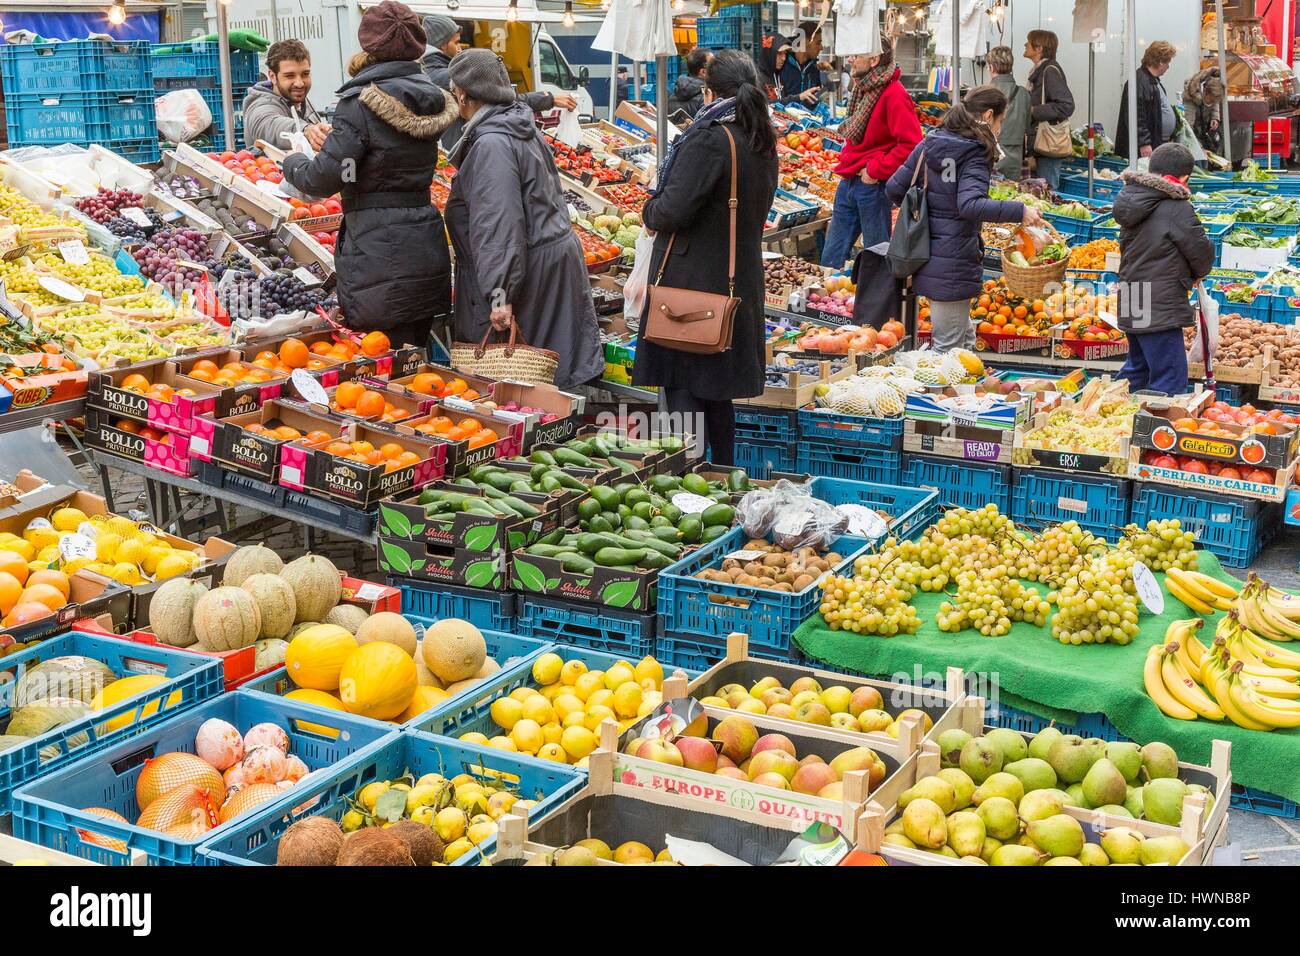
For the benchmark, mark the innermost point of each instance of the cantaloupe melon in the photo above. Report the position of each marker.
(347, 615)
(120, 690)
(490, 667)
(226, 619)
(453, 649)
(270, 652)
(315, 657)
(425, 698)
(250, 560)
(377, 680)
(316, 586)
(38, 716)
(178, 768)
(426, 677)
(78, 678)
(275, 603)
(302, 626)
(389, 627)
(319, 698)
(171, 611)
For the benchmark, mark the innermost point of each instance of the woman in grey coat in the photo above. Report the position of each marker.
(517, 257)
(1015, 122)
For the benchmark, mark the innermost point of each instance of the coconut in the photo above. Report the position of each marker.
(373, 847)
(313, 841)
(424, 845)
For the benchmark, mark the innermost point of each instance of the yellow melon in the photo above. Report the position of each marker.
(318, 698)
(118, 691)
(377, 680)
(315, 656)
(426, 698)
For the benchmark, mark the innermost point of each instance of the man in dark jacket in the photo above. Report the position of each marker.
(688, 93)
(1163, 253)
(442, 36)
(802, 80)
(279, 103)
(392, 262)
(1156, 119)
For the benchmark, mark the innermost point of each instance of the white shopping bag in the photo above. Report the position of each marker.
(296, 142)
(634, 289)
(569, 132)
(181, 115)
(1207, 327)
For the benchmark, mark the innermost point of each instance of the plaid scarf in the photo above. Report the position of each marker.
(866, 92)
(723, 111)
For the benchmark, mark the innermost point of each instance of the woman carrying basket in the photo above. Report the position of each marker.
(956, 162)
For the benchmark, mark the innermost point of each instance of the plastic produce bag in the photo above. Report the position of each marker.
(1207, 327)
(569, 132)
(791, 515)
(297, 144)
(634, 293)
(182, 115)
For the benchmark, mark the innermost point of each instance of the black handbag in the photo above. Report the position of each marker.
(878, 294)
(909, 246)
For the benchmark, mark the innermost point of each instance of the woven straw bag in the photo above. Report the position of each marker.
(1032, 282)
(506, 360)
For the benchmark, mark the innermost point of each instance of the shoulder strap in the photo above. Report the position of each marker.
(731, 204)
(921, 163)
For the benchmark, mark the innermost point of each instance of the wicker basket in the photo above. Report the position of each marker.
(1033, 282)
(510, 360)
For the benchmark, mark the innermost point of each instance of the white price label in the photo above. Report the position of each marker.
(792, 521)
(38, 523)
(64, 290)
(745, 555)
(304, 275)
(134, 214)
(200, 446)
(291, 474)
(863, 522)
(1148, 588)
(73, 546)
(1112, 262)
(74, 252)
(310, 389)
(369, 592)
(1072, 504)
(691, 504)
(458, 404)
(88, 528)
(964, 418)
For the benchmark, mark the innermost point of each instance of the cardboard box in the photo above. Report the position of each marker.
(44, 382)
(171, 453)
(105, 393)
(470, 531)
(401, 384)
(89, 595)
(958, 441)
(409, 406)
(1154, 428)
(799, 390)
(1087, 350)
(1277, 491)
(315, 471)
(460, 457)
(565, 406)
(235, 399)
(627, 589)
(227, 440)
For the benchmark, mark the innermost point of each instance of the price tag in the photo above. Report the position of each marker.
(74, 252)
(1072, 504)
(369, 592)
(73, 546)
(745, 555)
(64, 290)
(964, 417)
(200, 446)
(456, 403)
(1112, 262)
(1148, 588)
(792, 521)
(304, 275)
(38, 523)
(291, 474)
(136, 215)
(88, 529)
(7, 308)
(310, 389)
(691, 504)
(863, 522)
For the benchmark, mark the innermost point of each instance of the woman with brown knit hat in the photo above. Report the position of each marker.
(393, 266)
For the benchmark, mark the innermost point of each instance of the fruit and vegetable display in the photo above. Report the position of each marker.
(1099, 422)
(165, 256)
(1249, 239)
(1275, 210)
(773, 568)
(847, 339)
(836, 296)
(1092, 255)
(629, 196)
(36, 225)
(999, 311)
(251, 164)
(589, 851)
(785, 273)
(237, 223)
(581, 162)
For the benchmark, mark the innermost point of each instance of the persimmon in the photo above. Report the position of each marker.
(347, 393)
(294, 353)
(202, 374)
(126, 425)
(135, 382)
(205, 365)
(287, 433)
(370, 404)
(406, 459)
(317, 436)
(340, 448)
(320, 348)
(427, 383)
(362, 447)
(391, 450)
(374, 343)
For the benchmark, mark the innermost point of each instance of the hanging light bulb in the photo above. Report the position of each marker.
(512, 12)
(679, 4)
(568, 20)
(117, 13)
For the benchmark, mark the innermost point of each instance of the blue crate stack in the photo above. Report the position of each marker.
(765, 440)
(196, 66)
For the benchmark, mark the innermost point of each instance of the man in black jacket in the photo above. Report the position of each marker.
(1163, 253)
(1156, 119)
(688, 93)
(442, 35)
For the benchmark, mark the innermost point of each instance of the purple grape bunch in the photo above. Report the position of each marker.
(104, 205)
(159, 259)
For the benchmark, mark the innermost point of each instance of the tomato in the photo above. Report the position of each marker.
(318, 210)
(300, 212)
(334, 206)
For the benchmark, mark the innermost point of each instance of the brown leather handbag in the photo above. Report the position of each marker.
(685, 320)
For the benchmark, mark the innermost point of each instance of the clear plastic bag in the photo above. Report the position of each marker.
(297, 144)
(791, 515)
(634, 288)
(182, 115)
(1207, 308)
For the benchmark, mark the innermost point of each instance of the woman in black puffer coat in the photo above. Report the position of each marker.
(394, 269)
(959, 156)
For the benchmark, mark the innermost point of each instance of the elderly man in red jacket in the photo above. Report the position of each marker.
(879, 133)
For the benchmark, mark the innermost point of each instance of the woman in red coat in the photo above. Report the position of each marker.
(879, 134)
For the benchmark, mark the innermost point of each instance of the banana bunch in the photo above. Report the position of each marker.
(1171, 671)
(1270, 613)
(1202, 593)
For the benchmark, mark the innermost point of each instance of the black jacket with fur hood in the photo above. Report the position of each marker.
(391, 256)
(1163, 252)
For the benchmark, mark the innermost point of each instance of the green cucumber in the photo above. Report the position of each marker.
(577, 563)
(666, 533)
(546, 550)
(579, 445)
(591, 543)
(626, 466)
(654, 561)
(522, 508)
(599, 448)
(549, 484)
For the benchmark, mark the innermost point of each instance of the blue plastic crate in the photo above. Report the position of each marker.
(56, 118)
(675, 66)
(254, 839)
(213, 100)
(823, 460)
(912, 509)
(50, 811)
(960, 484)
(838, 428)
(687, 606)
(488, 610)
(1075, 186)
(622, 633)
(1233, 393)
(1257, 801)
(729, 32)
(1078, 230)
(695, 653)
(1268, 228)
(1089, 725)
(760, 459)
(469, 711)
(1261, 310)
(1041, 497)
(769, 425)
(195, 677)
(197, 66)
(77, 66)
(1235, 530)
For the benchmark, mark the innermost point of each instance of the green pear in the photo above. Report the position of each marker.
(980, 759)
(924, 824)
(950, 744)
(1116, 810)
(1166, 849)
(990, 847)
(1000, 785)
(1041, 804)
(930, 788)
(1010, 854)
(1077, 797)
(895, 827)
(1133, 802)
(1041, 745)
(974, 860)
(962, 784)
(1122, 845)
(1070, 757)
(1209, 797)
(1093, 855)
(1127, 758)
(1104, 784)
(898, 839)
(1159, 761)
(1162, 800)
(1010, 744)
(1000, 818)
(1062, 861)
(1060, 835)
(966, 833)
(1034, 773)
(947, 851)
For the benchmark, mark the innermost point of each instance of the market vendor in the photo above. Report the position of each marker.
(1163, 253)
(1156, 118)
(393, 266)
(802, 79)
(279, 103)
(518, 261)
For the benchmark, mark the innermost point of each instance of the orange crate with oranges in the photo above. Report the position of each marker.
(363, 465)
(1005, 321)
(333, 357)
(153, 394)
(245, 385)
(431, 383)
(40, 378)
(1239, 438)
(250, 442)
(355, 399)
(474, 437)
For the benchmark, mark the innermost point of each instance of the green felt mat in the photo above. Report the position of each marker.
(1038, 673)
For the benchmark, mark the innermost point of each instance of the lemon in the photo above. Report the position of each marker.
(521, 694)
(527, 735)
(370, 793)
(48, 553)
(588, 683)
(106, 545)
(598, 847)
(539, 709)
(474, 737)
(552, 691)
(571, 671)
(578, 742)
(649, 701)
(506, 712)
(76, 564)
(130, 552)
(20, 547)
(127, 574)
(617, 675)
(419, 796)
(169, 566)
(552, 732)
(565, 704)
(575, 718)
(553, 752)
(450, 824)
(153, 556)
(503, 743)
(631, 850)
(546, 669)
(423, 816)
(650, 668)
(627, 699)
(595, 715)
(663, 856)
(10, 536)
(479, 832)
(499, 804)
(456, 850)
(352, 820)
(37, 565)
(67, 519)
(601, 698)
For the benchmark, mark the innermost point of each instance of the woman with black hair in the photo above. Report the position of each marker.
(690, 206)
(958, 158)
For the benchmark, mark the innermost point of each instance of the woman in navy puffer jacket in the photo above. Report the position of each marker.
(958, 157)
